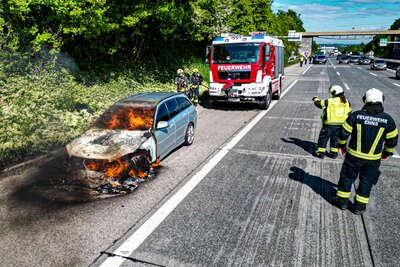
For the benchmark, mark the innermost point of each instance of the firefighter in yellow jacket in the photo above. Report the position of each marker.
(373, 137)
(334, 112)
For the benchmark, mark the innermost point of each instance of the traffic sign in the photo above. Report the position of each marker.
(383, 42)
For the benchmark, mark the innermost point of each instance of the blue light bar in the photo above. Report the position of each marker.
(218, 38)
(257, 37)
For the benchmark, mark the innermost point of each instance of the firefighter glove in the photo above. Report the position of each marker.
(342, 150)
(385, 155)
(315, 98)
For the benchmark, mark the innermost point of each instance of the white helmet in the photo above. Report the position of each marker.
(335, 89)
(373, 96)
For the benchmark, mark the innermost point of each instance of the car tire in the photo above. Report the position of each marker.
(266, 100)
(189, 135)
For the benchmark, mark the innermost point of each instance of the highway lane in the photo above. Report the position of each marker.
(383, 218)
(268, 201)
(36, 231)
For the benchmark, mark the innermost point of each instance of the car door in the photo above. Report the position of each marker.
(185, 105)
(165, 137)
(179, 119)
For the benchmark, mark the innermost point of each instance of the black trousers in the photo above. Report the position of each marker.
(195, 94)
(328, 132)
(368, 172)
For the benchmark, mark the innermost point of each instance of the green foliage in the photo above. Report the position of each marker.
(56, 56)
(374, 44)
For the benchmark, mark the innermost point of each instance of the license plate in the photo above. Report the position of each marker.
(233, 99)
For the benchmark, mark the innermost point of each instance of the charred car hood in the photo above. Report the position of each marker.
(105, 144)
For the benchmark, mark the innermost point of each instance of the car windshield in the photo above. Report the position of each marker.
(236, 53)
(127, 116)
(321, 57)
(344, 58)
(379, 61)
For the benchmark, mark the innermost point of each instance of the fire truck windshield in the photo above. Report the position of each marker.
(236, 53)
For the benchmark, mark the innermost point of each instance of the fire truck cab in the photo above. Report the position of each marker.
(246, 68)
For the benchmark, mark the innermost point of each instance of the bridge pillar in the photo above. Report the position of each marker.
(306, 45)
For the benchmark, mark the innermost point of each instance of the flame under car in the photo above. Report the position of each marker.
(127, 142)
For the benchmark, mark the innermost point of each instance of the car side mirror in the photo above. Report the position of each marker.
(162, 124)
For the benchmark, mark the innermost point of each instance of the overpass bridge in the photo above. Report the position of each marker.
(307, 37)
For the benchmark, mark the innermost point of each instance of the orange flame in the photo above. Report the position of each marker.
(116, 168)
(130, 118)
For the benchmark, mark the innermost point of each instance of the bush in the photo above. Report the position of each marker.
(42, 106)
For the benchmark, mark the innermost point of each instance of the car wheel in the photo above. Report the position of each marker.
(266, 100)
(189, 135)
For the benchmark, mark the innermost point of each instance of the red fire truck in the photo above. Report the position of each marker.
(246, 68)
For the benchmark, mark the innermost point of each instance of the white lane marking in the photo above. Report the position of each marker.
(334, 67)
(390, 70)
(338, 73)
(397, 84)
(346, 85)
(373, 74)
(137, 238)
(359, 68)
(396, 156)
(304, 72)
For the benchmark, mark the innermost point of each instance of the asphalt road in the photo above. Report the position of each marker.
(267, 202)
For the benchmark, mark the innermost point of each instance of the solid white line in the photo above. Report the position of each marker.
(346, 85)
(396, 156)
(338, 73)
(304, 72)
(373, 74)
(397, 84)
(137, 238)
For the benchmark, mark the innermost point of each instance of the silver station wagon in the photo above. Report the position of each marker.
(129, 139)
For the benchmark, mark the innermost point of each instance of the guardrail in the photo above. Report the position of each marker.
(392, 63)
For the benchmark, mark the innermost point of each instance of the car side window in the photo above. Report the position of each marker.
(183, 103)
(162, 113)
(173, 107)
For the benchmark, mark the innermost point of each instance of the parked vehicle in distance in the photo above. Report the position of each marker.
(319, 59)
(355, 59)
(364, 61)
(398, 72)
(128, 138)
(378, 64)
(344, 60)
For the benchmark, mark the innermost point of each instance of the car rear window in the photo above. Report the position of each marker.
(183, 103)
(127, 116)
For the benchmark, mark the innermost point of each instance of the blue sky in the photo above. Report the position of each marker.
(337, 15)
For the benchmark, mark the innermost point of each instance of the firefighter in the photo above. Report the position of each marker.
(334, 112)
(373, 137)
(196, 79)
(181, 81)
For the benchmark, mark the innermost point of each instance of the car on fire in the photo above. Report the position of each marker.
(127, 140)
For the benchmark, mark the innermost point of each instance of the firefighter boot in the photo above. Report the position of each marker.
(341, 203)
(320, 153)
(359, 208)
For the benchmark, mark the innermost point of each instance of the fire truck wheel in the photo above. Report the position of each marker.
(189, 136)
(266, 100)
(277, 95)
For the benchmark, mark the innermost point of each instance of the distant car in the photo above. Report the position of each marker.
(134, 133)
(378, 64)
(398, 72)
(344, 60)
(354, 59)
(320, 59)
(364, 61)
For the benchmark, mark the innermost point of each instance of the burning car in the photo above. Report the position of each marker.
(129, 139)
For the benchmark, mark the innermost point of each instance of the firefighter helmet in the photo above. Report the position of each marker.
(195, 70)
(373, 95)
(335, 90)
(179, 71)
